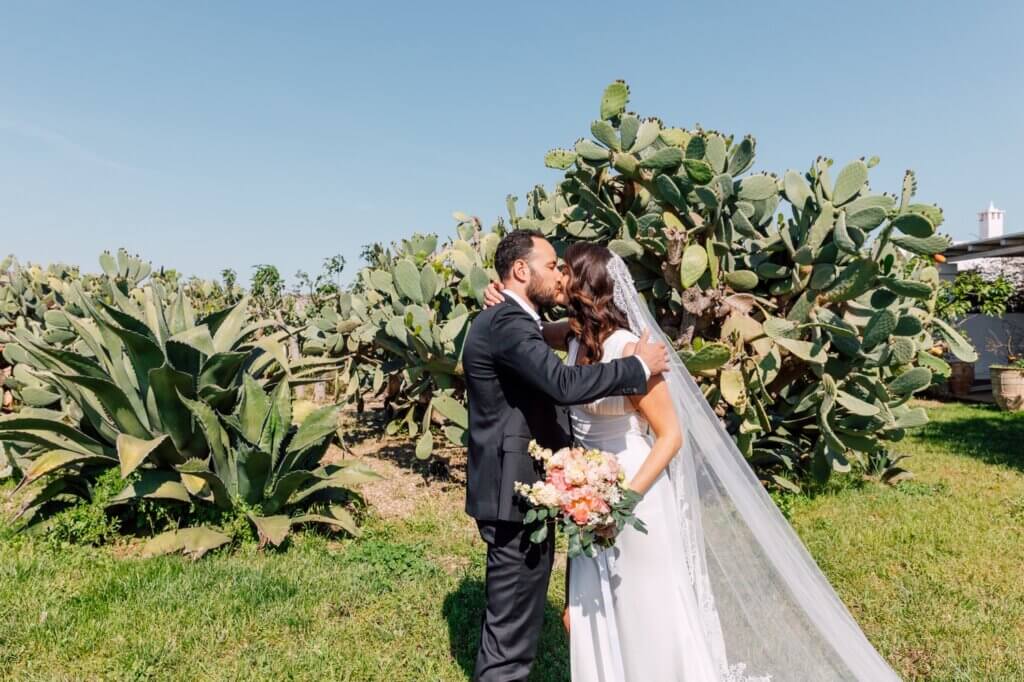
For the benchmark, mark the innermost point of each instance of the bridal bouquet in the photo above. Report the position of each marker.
(584, 492)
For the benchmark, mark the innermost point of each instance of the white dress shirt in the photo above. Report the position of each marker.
(525, 306)
(536, 316)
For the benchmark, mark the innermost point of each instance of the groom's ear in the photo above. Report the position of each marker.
(520, 270)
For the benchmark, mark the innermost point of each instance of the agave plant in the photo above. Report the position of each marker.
(260, 464)
(127, 378)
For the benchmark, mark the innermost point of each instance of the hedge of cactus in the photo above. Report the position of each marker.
(401, 329)
(803, 304)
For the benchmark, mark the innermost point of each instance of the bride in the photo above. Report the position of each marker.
(720, 587)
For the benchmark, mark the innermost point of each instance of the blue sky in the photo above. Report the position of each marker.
(212, 135)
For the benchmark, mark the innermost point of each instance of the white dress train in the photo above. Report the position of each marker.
(634, 615)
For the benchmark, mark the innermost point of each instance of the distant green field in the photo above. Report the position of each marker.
(931, 569)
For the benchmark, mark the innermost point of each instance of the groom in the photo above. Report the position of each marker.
(515, 384)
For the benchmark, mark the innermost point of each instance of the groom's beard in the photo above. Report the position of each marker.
(542, 298)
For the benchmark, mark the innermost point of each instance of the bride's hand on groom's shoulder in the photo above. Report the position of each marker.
(493, 295)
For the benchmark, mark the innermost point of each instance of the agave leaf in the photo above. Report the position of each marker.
(153, 310)
(129, 322)
(285, 486)
(271, 529)
(275, 349)
(318, 425)
(193, 542)
(63, 485)
(114, 401)
(143, 353)
(132, 451)
(216, 437)
(221, 369)
(203, 483)
(153, 484)
(227, 328)
(252, 469)
(342, 479)
(15, 426)
(338, 517)
(167, 387)
(54, 460)
(56, 359)
(278, 421)
(252, 409)
(197, 338)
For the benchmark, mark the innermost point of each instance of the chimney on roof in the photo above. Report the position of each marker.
(990, 222)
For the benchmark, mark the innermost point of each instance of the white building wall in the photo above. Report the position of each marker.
(983, 330)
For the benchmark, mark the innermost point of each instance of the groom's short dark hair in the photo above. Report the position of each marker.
(514, 246)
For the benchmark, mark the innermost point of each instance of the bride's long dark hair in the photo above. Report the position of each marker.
(593, 315)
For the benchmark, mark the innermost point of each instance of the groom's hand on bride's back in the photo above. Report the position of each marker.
(654, 354)
(493, 295)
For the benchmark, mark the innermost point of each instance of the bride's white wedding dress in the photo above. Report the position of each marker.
(720, 589)
(633, 613)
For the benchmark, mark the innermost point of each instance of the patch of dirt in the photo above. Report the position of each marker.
(453, 565)
(914, 663)
(407, 481)
(8, 506)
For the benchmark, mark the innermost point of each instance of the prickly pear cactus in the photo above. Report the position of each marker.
(805, 305)
(402, 326)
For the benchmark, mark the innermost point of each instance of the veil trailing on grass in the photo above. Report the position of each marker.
(766, 608)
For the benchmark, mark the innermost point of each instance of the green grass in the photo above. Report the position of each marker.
(931, 570)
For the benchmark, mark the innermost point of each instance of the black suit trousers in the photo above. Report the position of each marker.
(518, 572)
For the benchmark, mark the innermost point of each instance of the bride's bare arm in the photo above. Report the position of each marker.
(656, 407)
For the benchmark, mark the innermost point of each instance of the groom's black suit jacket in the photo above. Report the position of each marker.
(515, 384)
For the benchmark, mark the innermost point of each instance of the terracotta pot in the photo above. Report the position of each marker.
(1008, 387)
(961, 378)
